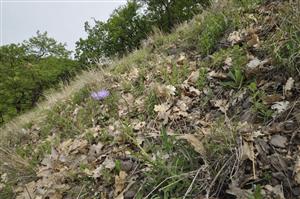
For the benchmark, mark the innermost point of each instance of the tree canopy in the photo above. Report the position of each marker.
(122, 33)
(27, 69)
(132, 23)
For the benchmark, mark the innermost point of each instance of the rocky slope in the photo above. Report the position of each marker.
(209, 111)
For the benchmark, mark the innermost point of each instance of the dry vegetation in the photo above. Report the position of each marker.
(209, 111)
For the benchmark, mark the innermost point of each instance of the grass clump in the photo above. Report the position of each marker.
(201, 82)
(137, 58)
(212, 28)
(174, 168)
(151, 100)
(176, 75)
(284, 45)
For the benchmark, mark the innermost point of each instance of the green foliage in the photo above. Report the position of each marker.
(212, 29)
(7, 192)
(122, 33)
(150, 102)
(258, 106)
(202, 78)
(42, 46)
(257, 193)
(238, 58)
(284, 45)
(28, 69)
(176, 75)
(173, 169)
(236, 76)
(130, 24)
(165, 14)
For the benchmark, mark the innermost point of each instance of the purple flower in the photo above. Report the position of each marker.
(100, 95)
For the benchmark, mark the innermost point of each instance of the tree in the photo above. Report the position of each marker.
(42, 46)
(25, 74)
(122, 33)
(167, 13)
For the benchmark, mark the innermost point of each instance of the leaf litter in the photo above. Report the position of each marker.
(263, 154)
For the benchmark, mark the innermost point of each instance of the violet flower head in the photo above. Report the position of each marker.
(100, 95)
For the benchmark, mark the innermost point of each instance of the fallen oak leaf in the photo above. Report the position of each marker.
(194, 76)
(221, 104)
(194, 141)
(165, 91)
(120, 181)
(163, 111)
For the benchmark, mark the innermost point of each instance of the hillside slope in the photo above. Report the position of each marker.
(209, 111)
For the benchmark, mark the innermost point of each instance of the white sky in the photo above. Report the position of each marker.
(62, 19)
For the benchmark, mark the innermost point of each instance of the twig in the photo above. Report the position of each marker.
(28, 192)
(216, 177)
(191, 185)
(165, 181)
(80, 191)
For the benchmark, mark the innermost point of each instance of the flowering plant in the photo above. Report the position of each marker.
(100, 95)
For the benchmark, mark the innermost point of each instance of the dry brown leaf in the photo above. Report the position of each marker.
(221, 104)
(2, 186)
(276, 190)
(254, 40)
(95, 149)
(194, 141)
(28, 192)
(238, 192)
(228, 61)
(165, 90)
(77, 146)
(163, 111)
(180, 109)
(297, 170)
(4, 178)
(247, 151)
(138, 125)
(134, 74)
(270, 99)
(254, 63)
(120, 181)
(194, 76)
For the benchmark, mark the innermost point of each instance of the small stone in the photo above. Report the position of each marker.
(278, 141)
(127, 165)
(129, 194)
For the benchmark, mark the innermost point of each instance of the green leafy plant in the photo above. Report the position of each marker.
(257, 194)
(237, 78)
(257, 102)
